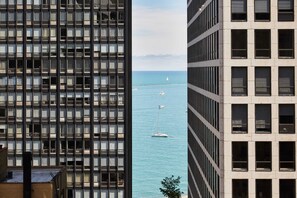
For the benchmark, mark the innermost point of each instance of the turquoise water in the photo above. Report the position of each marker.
(156, 158)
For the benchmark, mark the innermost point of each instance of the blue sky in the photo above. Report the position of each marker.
(159, 35)
(160, 3)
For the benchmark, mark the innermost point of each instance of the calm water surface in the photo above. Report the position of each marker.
(156, 158)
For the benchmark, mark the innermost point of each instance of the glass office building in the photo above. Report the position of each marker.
(65, 90)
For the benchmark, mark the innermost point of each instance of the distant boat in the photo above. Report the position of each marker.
(167, 78)
(157, 133)
(164, 135)
(162, 93)
(161, 106)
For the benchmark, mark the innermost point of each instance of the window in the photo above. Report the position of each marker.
(3, 34)
(239, 81)
(287, 188)
(286, 43)
(11, 17)
(3, 3)
(263, 118)
(263, 188)
(286, 81)
(262, 81)
(287, 156)
(240, 188)
(239, 43)
(263, 156)
(239, 10)
(239, 156)
(19, 18)
(239, 118)
(2, 113)
(285, 10)
(286, 118)
(3, 17)
(262, 44)
(262, 10)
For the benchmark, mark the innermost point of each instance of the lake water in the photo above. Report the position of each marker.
(157, 158)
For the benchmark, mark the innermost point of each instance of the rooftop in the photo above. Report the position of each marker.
(39, 175)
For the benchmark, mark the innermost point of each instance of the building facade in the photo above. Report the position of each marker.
(46, 182)
(242, 103)
(65, 90)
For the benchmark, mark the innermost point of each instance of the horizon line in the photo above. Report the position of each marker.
(159, 70)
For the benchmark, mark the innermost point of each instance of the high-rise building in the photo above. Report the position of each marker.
(65, 90)
(242, 103)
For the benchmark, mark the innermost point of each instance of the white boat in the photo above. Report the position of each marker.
(158, 134)
(161, 106)
(167, 78)
(162, 93)
(164, 135)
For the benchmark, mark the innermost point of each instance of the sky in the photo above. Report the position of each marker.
(159, 35)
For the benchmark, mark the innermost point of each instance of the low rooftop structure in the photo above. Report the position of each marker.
(46, 182)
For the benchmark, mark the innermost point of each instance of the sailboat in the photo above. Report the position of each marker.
(159, 134)
(161, 106)
(167, 78)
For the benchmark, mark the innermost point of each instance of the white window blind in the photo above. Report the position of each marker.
(112, 145)
(30, 32)
(121, 48)
(285, 5)
(112, 129)
(112, 48)
(103, 161)
(96, 129)
(3, 49)
(103, 145)
(112, 161)
(104, 80)
(104, 48)
(36, 145)
(37, 32)
(86, 161)
(111, 194)
(104, 194)
(96, 82)
(96, 145)
(104, 128)
(238, 6)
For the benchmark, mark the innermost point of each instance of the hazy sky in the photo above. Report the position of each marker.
(159, 35)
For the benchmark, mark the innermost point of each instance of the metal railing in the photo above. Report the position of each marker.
(240, 165)
(239, 53)
(286, 91)
(287, 165)
(263, 165)
(239, 91)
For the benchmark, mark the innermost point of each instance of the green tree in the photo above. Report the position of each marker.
(170, 187)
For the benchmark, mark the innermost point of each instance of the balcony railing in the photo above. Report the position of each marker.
(239, 53)
(263, 53)
(239, 128)
(239, 91)
(239, 16)
(286, 53)
(263, 165)
(263, 91)
(287, 165)
(286, 15)
(263, 127)
(286, 91)
(240, 166)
